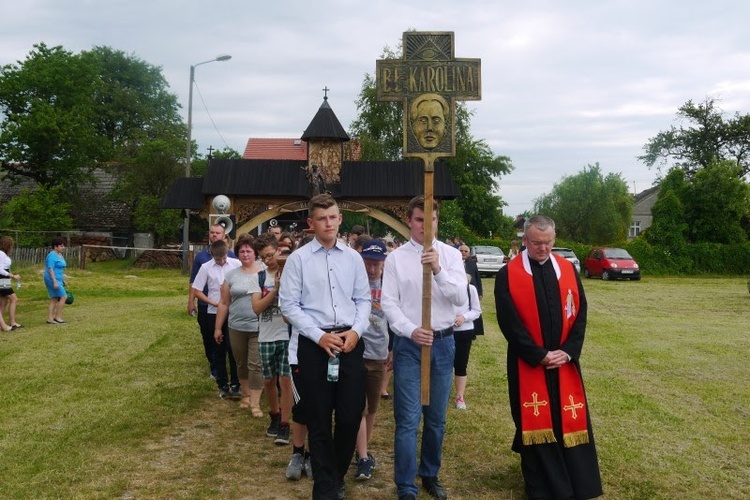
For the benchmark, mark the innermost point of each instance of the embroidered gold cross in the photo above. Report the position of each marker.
(573, 407)
(536, 404)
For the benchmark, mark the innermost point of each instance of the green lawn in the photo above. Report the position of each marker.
(118, 404)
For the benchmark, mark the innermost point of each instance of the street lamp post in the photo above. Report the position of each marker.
(188, 155)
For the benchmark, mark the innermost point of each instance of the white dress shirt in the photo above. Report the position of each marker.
(212, 274)
(402, 288)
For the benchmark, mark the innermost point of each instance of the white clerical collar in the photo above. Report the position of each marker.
(527, 263)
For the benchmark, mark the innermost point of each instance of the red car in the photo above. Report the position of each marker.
(611, 263)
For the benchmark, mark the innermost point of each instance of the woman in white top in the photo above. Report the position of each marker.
(7, 295)
(463, 332)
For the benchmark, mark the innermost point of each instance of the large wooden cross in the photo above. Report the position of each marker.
(428, 79)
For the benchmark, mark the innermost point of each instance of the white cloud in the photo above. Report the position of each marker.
(564, 83)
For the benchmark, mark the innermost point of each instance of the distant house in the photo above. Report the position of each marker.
(275, 149)
(98, 213)
(642, 204)
(258, 148)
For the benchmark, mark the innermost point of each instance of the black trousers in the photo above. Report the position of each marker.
(463, 349)
(221, 354)
(207, 335)
(331, 448)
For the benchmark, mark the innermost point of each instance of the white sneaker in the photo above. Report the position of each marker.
(460, 404)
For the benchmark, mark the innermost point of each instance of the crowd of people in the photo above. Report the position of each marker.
(318, 321)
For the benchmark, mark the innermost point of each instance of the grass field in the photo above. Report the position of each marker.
(118, 403)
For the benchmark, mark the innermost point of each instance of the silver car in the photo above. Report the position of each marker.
(489, 259)
(569, 255)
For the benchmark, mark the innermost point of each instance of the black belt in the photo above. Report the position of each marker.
(337, 329)
(441, 334)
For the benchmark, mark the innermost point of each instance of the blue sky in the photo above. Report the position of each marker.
(564, 84)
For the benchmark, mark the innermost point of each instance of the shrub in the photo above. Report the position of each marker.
(44, 209)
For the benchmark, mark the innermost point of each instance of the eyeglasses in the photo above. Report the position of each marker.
(268, 256)
(538, 244)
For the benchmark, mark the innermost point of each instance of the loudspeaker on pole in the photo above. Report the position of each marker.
(227, 221)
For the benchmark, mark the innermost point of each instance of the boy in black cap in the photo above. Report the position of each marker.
(376, 356)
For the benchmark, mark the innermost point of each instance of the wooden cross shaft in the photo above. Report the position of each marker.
(428, 79)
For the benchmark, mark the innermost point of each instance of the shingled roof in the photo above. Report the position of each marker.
(325, 125)
(255, 178)
(287, 178)
(393, 179)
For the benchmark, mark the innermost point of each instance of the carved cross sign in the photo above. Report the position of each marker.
(428, 79)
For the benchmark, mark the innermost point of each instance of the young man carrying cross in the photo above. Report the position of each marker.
(402, 303)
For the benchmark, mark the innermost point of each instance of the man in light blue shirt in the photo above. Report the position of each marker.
(325, 295)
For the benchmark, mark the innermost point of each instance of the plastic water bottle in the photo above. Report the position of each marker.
(18, 285)
(333, 368)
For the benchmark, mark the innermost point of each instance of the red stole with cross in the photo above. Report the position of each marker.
(536, 417)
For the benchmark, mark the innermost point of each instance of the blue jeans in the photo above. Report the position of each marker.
(407, 409)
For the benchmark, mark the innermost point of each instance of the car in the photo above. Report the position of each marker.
(489, 259)
(568, 255)
(611, 263)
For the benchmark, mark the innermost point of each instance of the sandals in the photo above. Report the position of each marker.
(255, 411)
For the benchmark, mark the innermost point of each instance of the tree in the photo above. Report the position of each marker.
(709, 138)
(589, 207)
(47, 133)
(200, 164)
(668, 227)
(379, 126)
(65, 115)
(379, 130)
(477, 171)
(715, 203)
(44, 209)
(131, 104)
(712, 206)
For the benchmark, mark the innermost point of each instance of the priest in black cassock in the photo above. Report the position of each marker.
(541, 310)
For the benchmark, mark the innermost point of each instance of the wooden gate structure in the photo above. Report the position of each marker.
(261, 190)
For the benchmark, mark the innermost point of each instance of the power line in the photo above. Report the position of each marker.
(200, 96)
